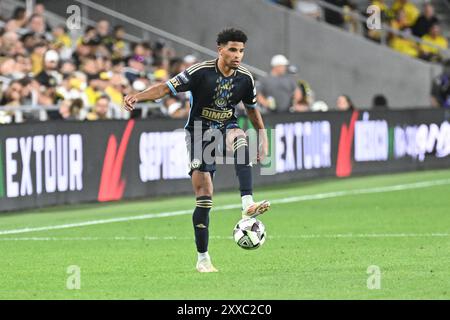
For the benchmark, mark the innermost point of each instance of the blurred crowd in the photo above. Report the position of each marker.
(403, 16)
(86, 77)
(61, 77)
(284, 91)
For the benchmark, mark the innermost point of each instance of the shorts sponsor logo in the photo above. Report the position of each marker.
(195, 164)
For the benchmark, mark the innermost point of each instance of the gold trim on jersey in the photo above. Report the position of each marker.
(246, 72)
(200, 63)
(199, 66)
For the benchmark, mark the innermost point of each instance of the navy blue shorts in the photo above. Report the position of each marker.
(196, 146)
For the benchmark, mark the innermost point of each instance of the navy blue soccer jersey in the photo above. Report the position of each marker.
(214, 97)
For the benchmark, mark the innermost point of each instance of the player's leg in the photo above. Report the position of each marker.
(203, 188)
(236, 142)
(201, 172)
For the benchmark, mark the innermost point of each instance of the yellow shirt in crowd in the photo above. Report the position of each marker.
(63, 40)
(380, 4)
(92, 95)
(411, 11)
(401, 44)
(439, 41)
(405, 46)
(115, 95)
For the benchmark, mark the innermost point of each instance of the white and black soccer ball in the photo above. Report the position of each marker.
(249, 233)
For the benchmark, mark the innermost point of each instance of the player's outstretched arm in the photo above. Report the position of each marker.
(153, 92)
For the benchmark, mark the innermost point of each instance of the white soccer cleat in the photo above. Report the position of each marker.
(255, 209)
(205, 265)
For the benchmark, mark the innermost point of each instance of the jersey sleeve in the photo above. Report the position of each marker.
(185, 80)
(181, 82)
(249, 99)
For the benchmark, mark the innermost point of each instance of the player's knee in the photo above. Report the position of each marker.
(202, 191)
(202, 184)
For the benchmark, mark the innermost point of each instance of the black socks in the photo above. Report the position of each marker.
(200, 219)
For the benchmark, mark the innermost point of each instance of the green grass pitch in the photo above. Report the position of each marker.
(320, 245)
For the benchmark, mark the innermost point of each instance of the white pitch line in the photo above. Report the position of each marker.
(94, 222)
(300, 236)
(399, 187)
(328, 195)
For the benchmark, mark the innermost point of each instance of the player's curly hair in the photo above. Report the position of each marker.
(231, 35)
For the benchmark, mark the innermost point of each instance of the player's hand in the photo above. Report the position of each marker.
(129, 102)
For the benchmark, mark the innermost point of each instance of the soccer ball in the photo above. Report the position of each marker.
(249, 233)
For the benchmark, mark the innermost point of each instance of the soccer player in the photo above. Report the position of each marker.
(216, 87)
